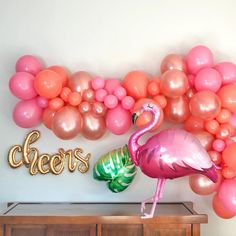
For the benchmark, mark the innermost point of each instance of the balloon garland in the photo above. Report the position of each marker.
(191, 90)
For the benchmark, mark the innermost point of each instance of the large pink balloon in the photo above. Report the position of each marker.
(22, 85)
(94, 127)
(27, 114)
(80, 81)
(208, 79)
(228, 72)
(67, 123)
(198, 58)
(205, 105)
(202, 185)
(227, 194)
(118, 120)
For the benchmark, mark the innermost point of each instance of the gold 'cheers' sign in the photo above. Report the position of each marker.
(45, 163)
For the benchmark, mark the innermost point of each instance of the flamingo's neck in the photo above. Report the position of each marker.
(133, 140)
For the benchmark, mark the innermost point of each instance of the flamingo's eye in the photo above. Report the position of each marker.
(150, 106)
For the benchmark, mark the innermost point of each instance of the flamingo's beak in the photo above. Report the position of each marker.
(135, 117)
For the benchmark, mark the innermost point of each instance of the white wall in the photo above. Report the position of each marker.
(107, 38)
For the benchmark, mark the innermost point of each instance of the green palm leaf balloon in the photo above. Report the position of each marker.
(116, 168)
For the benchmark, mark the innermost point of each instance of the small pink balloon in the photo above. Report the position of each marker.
(22, 85)
(191, 80)
(127, 103)
(89, 95)
(228, 72)
(198, 58)
(118, 120)
(84, 107)
(42, 102)
(30, 64)
(98, 83)
(111, 101)
(120, 92)
(208, 79)
(111, 84)
(27, 114)
(227, 194)
(100, 95)
(218, 145)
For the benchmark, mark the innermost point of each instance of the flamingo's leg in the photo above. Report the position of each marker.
(155, 198)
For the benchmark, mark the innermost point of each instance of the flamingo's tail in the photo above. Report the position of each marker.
(116, 168)
(211, 173)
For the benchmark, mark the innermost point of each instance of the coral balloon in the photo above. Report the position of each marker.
(224, 132)
(153, 88)
(190, 93)
(67, 123)
(94, 127)
(118, 120)
(208, 79)
(65, 92)
(194, 123)
(62, 72)
(205, 105)
(227, 96)
(161, 100)
(48, 115)
(206, 139)
(229, 156)
(174, 83)
(198, 58)
(212, 126)
(135, 83)
(228, 72)
(48, 84)
(30, 64)
(227, 173)
(22, 85)
(202, 185)
(220, 209)
(56, 104)
(224, 116)
(27, 114)
(146, 117)
(177, 109)
(74, 99)
(80, 81)
(173, 62)
(215, 157)
(227, 194)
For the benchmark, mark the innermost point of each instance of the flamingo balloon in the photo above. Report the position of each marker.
(169, 154)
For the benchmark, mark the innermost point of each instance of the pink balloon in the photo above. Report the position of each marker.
(218, 145)
(30, 64)
(120, 92)
(42, 102)
(228, 72)
(118, 120)
(98, 83)
(111, 101)
(208, 79)
(100, 95)
(191, 80)
(111, 84)
(27, 114)
(128, 102)
(198, 58)
(22, 85)
(227, 194)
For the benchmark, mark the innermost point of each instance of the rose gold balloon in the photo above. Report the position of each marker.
(174, 83)
(80, 81)
(99, 109)
(84, 107)
(202, 185)
(173, 61)
(93, 127)
(205, 105)
(177, 109)
(88, 95)
(190, 93)
(206, 139)
(67, 123)
(215, 157)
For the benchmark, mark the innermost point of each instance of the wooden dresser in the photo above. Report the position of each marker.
(99, 219)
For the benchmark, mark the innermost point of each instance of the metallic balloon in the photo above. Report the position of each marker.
(205, 105)
(99, 109)
(88, 95)
(84, 107)
(177, 109)
(173, 61)
(80, 81)
(206, 139)
(93, 127)
(67, 123)
(116, 168)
